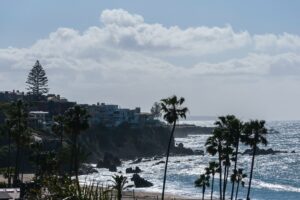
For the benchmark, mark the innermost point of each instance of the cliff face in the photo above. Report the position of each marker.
(125, 142)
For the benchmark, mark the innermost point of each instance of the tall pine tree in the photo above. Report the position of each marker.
(37, 80)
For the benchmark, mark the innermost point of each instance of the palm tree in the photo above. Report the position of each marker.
(172, 110)
(58, 128)
(212, 169)
(6, 130)
(213, 147)
(119, 183)
(238, 177)
(236, 127)
(203, 182)
(255, 133)
(76, 120)
(225, 124)
(222, 142)
(18, 117)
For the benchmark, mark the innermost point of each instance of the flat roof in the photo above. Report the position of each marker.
(38, 112)
(5, 195)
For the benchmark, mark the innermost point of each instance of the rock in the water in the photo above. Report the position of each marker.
(131, 171)
(181, 150)
(109, 161)
(86, 169)
(262, 151)
(199, 152)
(139, 182)
(112, 168)
(180, 145)
(293, 151)
(160, 162)
(157, 157)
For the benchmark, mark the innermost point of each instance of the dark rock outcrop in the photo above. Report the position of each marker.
(110, 162)
(293, 151)
(157, 157)
(140, 182)
(133, 171)
(199, 152)
(86, 169)
(160, 162)
(182, 151)
(262, 151)
(112, 168)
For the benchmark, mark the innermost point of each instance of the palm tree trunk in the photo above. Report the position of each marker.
(18, 145)
(61, 141)
(167, 159)
(235, 164)
(203, 191)
(60, 166)
(17, 164)
(9, 155)
(251, 171)
(237, 190)
(220, 172)
(72, 156)
(22, 165)
(212, 186)
(226, 173)
(225, 181)
(76, 165)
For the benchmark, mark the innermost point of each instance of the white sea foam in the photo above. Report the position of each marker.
(275, 187)
(204, 123)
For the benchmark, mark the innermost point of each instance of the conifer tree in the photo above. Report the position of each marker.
(37, 80)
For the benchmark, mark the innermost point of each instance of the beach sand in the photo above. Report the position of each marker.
(26, 178)
(155, 196)
(137, 195)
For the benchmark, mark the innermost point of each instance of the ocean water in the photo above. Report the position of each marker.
(275, 177)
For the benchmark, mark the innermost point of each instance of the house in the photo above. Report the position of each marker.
(4, 196)
(112, 115)
(39, 119)
(9, 193)
(56, 98)
(7, 96)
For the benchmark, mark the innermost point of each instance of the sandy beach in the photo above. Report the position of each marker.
(127, 194)
(26, 178)
(151, 195)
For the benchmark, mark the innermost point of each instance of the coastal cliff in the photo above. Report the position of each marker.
(187, 129)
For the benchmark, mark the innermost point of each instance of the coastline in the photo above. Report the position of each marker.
(153, 195)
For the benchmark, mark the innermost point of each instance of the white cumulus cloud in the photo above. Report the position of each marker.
(127, 58)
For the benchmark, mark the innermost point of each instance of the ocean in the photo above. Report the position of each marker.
(275, 177)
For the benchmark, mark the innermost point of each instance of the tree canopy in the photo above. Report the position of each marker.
(37, 81)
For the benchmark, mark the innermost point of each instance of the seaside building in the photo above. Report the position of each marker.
(111, 115)
(39, 119)
(6, 96)
(9, 193)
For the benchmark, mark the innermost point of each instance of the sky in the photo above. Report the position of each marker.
(224, 57)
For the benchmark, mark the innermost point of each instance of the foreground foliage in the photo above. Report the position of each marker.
(54, 187)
